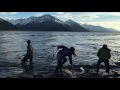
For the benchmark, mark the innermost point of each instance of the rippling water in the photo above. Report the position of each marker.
(13, 47)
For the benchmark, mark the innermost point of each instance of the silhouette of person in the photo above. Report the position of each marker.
(104, 56)
(61, 56)
(29, 54)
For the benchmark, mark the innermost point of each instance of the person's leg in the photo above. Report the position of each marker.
(58, 66)
(59, 58)
(107, 66)
(25, 59)
(31, 67)
(64, 60)
(31, 59)
(98, 65)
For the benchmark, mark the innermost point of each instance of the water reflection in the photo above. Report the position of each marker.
(28, 68)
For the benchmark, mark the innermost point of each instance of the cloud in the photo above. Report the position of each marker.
(104, 13)
(60, 13)
(64, 15)
(8, 13)
(8, 17)
(115, 14)
(88, 17)
(39, 14)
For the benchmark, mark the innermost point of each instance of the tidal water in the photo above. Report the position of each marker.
(13, 46)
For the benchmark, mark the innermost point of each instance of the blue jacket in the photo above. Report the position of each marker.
(65, 52)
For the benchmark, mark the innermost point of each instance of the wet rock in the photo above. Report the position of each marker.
(38, 76)
(117, 63)
(78, 71)
(60, 75)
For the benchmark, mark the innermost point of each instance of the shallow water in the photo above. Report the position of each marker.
(13, 47)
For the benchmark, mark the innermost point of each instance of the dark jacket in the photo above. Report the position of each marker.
(65, 52)
(104, 53)
(30, 50)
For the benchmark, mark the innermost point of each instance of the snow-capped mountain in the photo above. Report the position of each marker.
(94, 28)
(18, 21)
(70, 22)
(51, 23)
(76, 26)
(42, 23)
(34, 20)
(21, 21)
(5, 25)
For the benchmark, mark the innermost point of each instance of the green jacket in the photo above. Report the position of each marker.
(104, 53)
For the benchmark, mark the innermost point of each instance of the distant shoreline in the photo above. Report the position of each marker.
(39, 30)
(57, 31)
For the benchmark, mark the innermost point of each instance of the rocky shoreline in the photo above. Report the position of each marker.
(87, 71)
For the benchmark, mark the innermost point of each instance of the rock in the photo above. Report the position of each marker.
(38, 76)
(117, 63)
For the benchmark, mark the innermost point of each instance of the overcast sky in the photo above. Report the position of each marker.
(106, 19)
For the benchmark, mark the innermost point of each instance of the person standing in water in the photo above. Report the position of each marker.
(29, 54)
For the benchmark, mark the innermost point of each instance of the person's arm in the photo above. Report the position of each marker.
(29, 50)
(98, 53)
(109, 54)
(32, 50)
(70, 59)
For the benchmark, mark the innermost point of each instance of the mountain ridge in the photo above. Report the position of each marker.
(50, 23)
(97, 28)
(5, 25)
(76, 26)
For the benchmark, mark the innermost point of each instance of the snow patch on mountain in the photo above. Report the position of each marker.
(71, 22)
(41, 19)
